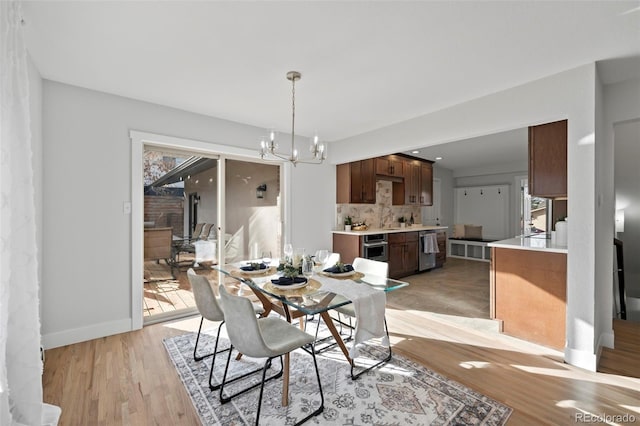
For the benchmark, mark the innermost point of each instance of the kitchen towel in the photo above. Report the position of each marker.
(430, 243)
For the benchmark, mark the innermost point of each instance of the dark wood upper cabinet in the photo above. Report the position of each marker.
(426, 184)
(412, 184)
(356, 182)
(390, 165)
(548, 160)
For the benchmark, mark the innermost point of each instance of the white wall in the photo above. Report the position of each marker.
(568, 95)
(446, 196)
(87, 285)
(35, 111)
(500, 179)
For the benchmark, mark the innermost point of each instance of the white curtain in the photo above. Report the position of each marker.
(20, 364)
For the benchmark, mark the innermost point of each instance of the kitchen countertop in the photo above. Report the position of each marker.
(412, 228)
(537, 243)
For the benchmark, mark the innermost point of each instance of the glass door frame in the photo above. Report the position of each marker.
(142, 140)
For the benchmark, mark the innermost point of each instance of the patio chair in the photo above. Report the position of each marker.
(268, 337)
(209, 308)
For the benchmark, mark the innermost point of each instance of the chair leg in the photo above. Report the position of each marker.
(195, 348)
(264, 374)
(213, 360)
(321, 408)
(225, 399)
(386, 359)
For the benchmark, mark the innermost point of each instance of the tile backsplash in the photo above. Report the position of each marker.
(382, 214)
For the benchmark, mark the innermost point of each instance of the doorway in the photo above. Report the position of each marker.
(188, 194)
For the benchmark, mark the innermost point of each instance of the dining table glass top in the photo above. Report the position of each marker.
(313, 297)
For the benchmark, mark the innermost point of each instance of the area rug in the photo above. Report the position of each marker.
(399, 393)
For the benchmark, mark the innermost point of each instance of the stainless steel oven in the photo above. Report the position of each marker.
(375, 247)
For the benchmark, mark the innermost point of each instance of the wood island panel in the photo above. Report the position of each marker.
(348, 246)
(529, 292)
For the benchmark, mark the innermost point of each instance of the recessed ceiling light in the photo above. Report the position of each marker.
(415, 152)
(438, 158)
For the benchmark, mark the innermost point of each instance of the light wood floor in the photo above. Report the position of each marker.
(129, 378)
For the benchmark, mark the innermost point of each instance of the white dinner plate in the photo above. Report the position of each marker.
(340, 274)
(290, 286)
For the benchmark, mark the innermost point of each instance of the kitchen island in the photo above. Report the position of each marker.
(528, 285)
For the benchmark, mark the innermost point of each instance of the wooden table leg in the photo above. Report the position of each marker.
(336, 335)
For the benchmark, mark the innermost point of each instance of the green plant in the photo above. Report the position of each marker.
(288, 270)
(348, 220)
(401, 219)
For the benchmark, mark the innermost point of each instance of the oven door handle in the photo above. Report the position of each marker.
(381, 243)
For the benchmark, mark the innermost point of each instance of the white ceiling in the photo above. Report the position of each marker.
(365, 64)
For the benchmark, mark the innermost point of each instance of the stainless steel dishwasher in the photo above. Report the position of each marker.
(427, 260)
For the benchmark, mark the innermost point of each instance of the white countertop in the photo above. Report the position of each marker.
(539, 243)
(412, 228)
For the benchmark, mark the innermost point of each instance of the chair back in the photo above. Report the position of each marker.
(197, 231)
(206, 300)
(373, 267)
(204, 233)
(242, 325)
(332, 259)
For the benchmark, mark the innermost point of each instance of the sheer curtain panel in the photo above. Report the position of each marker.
(20, 363)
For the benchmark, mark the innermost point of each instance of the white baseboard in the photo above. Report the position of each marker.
(581, 359)
(76, 335)
(607, 340)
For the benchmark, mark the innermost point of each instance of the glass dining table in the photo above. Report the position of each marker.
(316, 296)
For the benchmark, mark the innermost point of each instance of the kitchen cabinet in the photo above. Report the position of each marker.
(548, 160)
(426, 184)
(412, 182)
(403, 254)
(391, 165)
(356, 182)
(441, 256)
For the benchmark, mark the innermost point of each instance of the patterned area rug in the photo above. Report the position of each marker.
(399, 393)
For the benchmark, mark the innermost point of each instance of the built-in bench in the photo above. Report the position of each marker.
(470, 248)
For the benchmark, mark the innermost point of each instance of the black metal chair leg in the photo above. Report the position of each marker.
(385, 360)
(225, 399)
(321, 408)
(195, 348)
(213, 360)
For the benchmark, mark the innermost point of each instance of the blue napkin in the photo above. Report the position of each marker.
(289, 281)
(251, 268)
(336, 270)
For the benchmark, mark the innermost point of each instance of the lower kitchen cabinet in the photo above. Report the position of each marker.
(441, 256)
(403, 254)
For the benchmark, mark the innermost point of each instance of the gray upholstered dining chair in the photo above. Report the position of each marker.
(378, 269)
(209, 308)
(268, 337)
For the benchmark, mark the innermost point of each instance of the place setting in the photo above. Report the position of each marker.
(342, 271)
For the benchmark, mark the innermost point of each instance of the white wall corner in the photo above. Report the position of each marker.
(606, 339)
(581, 359)
(76, 335)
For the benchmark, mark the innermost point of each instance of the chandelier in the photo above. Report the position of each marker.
(318, 149)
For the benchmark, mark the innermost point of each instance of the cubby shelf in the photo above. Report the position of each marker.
(471, 250)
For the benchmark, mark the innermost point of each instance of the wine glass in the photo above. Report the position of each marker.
(322, 256)
(266, 257)
(288, 252)
(307, 267)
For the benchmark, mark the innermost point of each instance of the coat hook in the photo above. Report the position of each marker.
(481, 193)
(499, 191)
(465, 192)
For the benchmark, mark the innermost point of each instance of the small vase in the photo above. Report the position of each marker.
(402, 224)
(347, 227)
